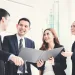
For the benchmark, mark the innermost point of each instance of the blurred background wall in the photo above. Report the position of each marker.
(57, 14)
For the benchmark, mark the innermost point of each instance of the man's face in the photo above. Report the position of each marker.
(23, 27)
(4, 23)
(73, 28)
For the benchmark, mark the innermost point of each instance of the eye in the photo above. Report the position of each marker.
(20, 24)
(26, 26)
(47, 33)
(72, 26)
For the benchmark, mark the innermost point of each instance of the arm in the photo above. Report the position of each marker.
(4, 55)
(10, 57)
(73, 52)
(17, 60)
(60, 63)
(73, 57)
(6, 45)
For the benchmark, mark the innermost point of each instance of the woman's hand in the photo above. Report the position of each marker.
(66, 54)
(51, 59)
(40, 63)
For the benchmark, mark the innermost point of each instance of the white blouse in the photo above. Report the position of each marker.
(48, 69)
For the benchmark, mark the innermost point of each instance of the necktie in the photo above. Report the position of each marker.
(20, 44)
(20, 68)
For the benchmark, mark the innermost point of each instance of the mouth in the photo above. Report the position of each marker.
(46, 39)
(72, 30)
(22, 31)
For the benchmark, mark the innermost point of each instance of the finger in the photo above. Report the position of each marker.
(17, 61)
(21, 62)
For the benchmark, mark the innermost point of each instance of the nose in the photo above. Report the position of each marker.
(23, 27)
(45, 36)
(72, 27)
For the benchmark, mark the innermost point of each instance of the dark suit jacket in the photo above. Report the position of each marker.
(73, 59)
(10, 44)
(60, 64)
(3, 56)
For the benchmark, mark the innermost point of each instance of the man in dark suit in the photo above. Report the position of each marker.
(5, 56)
(11, 44)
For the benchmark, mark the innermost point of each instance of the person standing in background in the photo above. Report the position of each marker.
(72, 54)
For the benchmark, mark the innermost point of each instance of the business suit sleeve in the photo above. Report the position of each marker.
(5, 45)
(60, 65)
(4, 55)
(33, 44)
(73, 55)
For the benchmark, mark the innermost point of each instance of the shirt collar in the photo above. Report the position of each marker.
(18, 37)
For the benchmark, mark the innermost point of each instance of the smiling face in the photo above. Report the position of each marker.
(23, 27)
(48, 36)
(73, 28)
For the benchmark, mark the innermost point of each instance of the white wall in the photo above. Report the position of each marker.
(36, 10)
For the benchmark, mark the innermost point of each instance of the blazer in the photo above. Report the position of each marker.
(73, 59)
(60, 64)
(10, 44)
(3, 56)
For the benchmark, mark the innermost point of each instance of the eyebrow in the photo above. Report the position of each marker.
(72, 25)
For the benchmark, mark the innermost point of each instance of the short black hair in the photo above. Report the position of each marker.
(3, 13)
(25, 19)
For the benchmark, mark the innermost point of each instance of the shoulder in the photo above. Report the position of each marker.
(28, 39)
(9, 36)
(58, 45)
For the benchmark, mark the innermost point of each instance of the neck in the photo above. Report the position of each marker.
(51, 45)
(20, 36)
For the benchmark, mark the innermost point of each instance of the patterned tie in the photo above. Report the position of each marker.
(20, 68)
(20, 44)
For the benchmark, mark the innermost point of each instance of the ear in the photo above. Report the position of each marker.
(16, 25)
(3, 19)
(29, 28)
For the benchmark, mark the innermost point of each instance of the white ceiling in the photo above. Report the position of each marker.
(34, 3)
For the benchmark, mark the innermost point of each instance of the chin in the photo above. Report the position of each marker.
(73, 33)
(4, 29)
(47, 41)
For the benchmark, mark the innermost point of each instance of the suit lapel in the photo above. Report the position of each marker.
(26, 44)
(15, 42)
